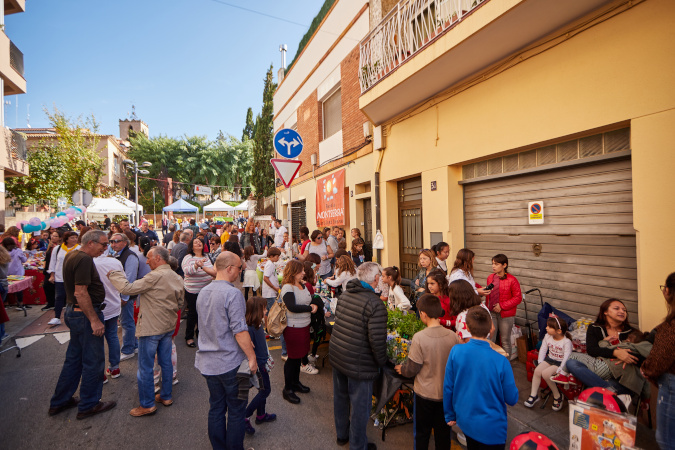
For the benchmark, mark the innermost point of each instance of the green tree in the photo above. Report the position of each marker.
(262, 178)
(248, 129)
(62, 163)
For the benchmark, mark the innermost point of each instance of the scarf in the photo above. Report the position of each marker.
(66, 249)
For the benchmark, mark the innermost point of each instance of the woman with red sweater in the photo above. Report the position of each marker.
(503, 300)
(437, 284)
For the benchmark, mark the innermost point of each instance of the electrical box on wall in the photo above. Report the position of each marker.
(378, 139)
(367, 130)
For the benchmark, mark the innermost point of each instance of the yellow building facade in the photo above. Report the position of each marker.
(589, 99)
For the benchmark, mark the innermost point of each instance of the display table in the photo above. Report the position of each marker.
(19, 285)
(30, 285)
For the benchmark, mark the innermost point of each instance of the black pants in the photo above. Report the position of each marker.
(429, 415)
(472, 444)
(246, 292)
(50, 292)
(291, 373)
(191, 300)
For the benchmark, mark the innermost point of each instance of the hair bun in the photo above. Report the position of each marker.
(395, 268)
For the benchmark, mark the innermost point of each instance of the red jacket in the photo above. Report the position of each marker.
(510, 295)
(448, 321)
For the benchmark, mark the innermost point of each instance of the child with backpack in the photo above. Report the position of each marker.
(255, 313)
(426, 362)
(478, 385)
(556, 348)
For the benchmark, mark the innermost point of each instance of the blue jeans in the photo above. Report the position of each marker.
(223, 392)
(59, 298)
(129, 341)
(3, 294)
(270, 302)
(113, 342)
(85, 358)
(148, 346)
(591, 379)
(665, 412)
(260, 400)
(359, 394)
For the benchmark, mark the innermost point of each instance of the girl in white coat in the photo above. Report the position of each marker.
(345, 270)
(397, 299)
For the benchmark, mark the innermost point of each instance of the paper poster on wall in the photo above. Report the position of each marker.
(330, 199)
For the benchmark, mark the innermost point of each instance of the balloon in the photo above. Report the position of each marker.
(21, 223)
(61, 213)
(34, 221)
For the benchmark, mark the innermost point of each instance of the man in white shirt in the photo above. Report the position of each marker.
(279, 234)
(112, 311)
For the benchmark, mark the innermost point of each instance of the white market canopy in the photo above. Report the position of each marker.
(132, 205)
(108, 206)
(242, 206)
(218, 205)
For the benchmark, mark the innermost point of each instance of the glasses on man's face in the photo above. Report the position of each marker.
(115, 241)
(105, 244)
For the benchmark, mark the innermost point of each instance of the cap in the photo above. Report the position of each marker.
(203, 226)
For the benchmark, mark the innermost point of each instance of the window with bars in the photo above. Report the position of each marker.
(332, 114)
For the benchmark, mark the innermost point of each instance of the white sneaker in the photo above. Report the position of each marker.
(124, 356)
(309, 368)
(312, 358)
(54, 321)
(626, 399)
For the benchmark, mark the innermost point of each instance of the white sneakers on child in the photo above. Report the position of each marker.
(54, 321)
(309, 369)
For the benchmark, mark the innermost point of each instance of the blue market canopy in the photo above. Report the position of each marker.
(180, 206)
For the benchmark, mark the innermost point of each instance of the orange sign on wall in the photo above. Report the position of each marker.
(330, 199)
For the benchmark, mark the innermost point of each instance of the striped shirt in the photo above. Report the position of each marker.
(196, 279)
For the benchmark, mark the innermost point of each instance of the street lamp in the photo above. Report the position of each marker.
(133, 166)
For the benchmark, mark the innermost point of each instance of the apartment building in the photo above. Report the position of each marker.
(536, 128)
(318, 96)
(12, 145)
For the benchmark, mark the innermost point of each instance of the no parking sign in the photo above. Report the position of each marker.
(535, 211)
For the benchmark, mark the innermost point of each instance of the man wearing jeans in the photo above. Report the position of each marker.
(111, 313)
(85, 357)
(358, 348)
(224, 343)
(130, 261)
(160, 298)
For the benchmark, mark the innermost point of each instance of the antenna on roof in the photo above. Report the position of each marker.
(133, 112)
(28, 116)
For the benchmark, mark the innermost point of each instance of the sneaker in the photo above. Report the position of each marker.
(626, 399)
(115, 373)
(558, 403)
(157, 388)
(248, 427)
(560, 379)
(124, 356)
(284, 357)
(574, 380)
(175, 381)
(531, 400)
(312, 358)
(54, 321)
(105, 379)
(136, 351)
(46, 308)
(309, 369)
(461, 438)
(265, 418)
(19, 308)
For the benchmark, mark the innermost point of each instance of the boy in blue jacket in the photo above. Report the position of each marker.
(478, 385)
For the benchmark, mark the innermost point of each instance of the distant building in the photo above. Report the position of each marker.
(12, 146)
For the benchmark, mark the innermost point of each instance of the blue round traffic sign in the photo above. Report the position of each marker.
(288, 143)
(536, 208)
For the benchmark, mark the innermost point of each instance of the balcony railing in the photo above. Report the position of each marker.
(15, 58)
(18, 146)
(404, 31)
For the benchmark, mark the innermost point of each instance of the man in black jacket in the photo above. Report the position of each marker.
(358, 348)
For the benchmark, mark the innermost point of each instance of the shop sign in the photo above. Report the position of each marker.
(330, 200)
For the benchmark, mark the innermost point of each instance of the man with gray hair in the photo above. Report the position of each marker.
(85, 357)
(358, 348)
(160, 298)
(119, 242)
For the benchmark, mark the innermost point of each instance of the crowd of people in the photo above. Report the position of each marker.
(129, 277)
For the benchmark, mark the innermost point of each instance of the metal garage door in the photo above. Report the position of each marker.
(587, 242)
(299, 216)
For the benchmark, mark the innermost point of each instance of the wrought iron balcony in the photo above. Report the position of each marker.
(18, 146)
(404, 31)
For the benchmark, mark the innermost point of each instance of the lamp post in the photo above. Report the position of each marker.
(133, 165)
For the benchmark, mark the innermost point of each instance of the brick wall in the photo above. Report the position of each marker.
(352, 117)
(309, 127)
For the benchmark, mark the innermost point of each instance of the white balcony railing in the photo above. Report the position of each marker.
(404, 31)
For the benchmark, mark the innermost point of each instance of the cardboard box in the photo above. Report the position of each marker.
(593, 428)
(521, 344)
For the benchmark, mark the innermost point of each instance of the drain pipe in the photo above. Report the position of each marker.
(377, 200)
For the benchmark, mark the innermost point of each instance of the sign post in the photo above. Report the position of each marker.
(288, 143)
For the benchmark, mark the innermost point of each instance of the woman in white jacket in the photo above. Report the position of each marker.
(56, 272)
(345, 270)
(463, 270)
(391, 276)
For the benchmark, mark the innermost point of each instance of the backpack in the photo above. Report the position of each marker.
(276, 319)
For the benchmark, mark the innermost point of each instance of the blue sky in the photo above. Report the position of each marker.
(190, 67)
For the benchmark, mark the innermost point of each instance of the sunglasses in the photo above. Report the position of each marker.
(115, 241)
